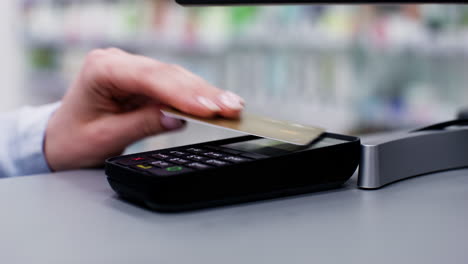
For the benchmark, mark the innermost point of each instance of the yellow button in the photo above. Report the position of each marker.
(145, 167)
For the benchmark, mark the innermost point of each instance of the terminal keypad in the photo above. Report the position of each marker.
(173, 162)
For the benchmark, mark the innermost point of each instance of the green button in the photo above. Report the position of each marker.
(175, 168)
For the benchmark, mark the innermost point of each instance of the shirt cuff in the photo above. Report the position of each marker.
(29, 156)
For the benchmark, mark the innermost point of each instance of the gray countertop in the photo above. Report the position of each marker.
(75, 217)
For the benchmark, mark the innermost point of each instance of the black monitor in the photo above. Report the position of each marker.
(261, 2)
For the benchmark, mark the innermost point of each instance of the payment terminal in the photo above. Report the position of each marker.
(232, 170)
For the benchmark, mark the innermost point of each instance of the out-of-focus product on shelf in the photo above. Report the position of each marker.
(348, 68)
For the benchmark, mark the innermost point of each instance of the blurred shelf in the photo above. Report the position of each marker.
(136, 44)
(423, 48)
(67, 2)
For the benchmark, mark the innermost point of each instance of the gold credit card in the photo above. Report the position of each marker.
(258, 126)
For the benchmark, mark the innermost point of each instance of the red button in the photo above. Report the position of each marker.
(133, 161)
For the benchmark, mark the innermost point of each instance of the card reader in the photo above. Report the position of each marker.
(232, 170)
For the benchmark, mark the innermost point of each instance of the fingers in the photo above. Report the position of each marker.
(165, 83)
(129, 127)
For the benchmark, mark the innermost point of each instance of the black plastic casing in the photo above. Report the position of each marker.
(293, 173)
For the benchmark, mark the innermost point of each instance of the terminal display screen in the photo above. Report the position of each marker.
(271, 147)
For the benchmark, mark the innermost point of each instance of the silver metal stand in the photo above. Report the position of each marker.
(435, 148)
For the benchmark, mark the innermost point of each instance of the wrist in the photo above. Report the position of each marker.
(57, 138)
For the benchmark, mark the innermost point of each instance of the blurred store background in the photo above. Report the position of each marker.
(352, 69)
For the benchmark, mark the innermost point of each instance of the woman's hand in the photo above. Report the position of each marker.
(116, 101)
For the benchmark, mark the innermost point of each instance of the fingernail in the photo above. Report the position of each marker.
(170, 123)
(232, 100)
(208, 103)
(235, 97)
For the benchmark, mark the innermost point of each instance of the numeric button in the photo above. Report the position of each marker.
(196, 150)
(217, 163)
(161, 164)
(198, 166)
(197, 158)
(215, 155)
(160, 156)
(235, 159)
(178, 161)
(177, 153)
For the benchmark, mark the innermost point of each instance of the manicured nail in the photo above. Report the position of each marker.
(235, 97)
(170, 123)
(208, 103)
(232, 100)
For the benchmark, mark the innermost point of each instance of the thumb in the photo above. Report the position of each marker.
(140, 123)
